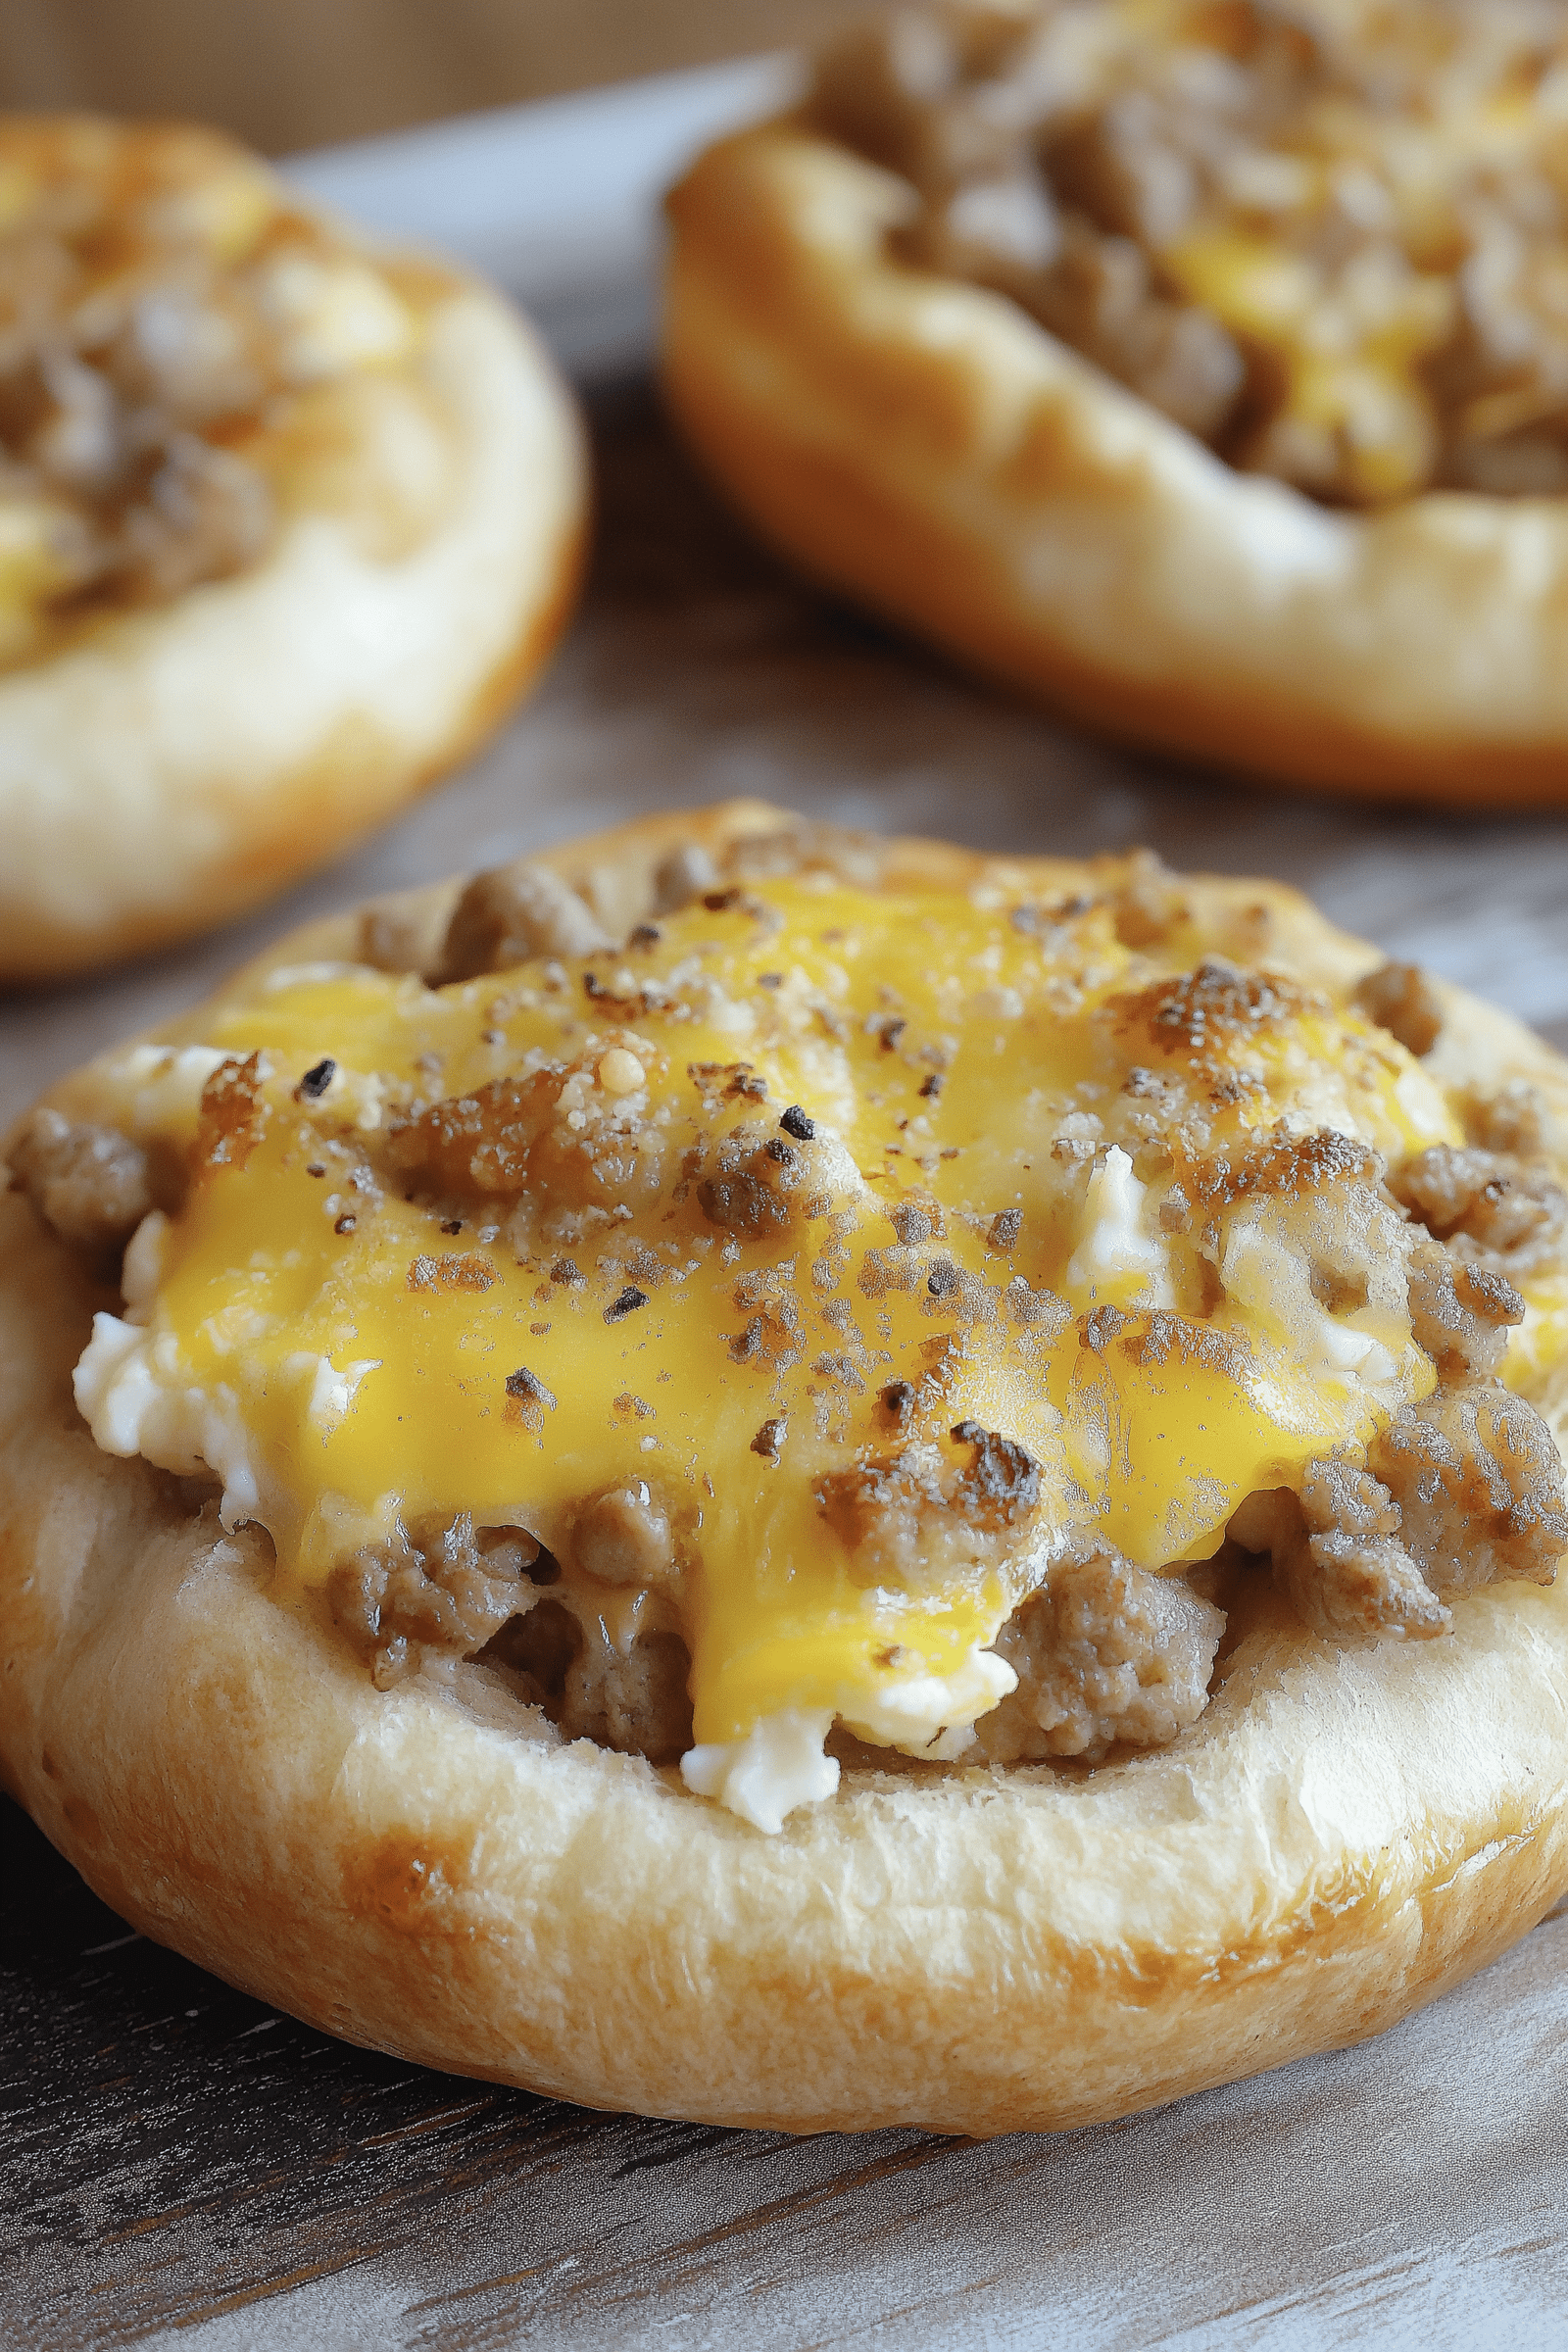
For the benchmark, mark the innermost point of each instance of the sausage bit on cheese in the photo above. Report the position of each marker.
(830, 1313)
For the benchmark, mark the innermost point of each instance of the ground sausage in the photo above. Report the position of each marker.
(1460, 1313)
(1464, 1490)
(1400, 997)
(1479, 1483)
(1104, 1654)
(1073, 189)
(561, 1658)
(397, 1601)
(1336, 1555)
(558, 1136)
(511, 914)
(89, 1183)
(912, 1520)
(1484, 1204)
(623, 1537)
(1512, 1119)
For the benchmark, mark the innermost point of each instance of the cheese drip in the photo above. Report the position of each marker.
(829, 1206)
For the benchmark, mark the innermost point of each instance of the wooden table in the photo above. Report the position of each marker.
(179, 2166)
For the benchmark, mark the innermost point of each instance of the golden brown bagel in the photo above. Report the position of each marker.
(396, 487)
(1343, 1833)
(920, 442)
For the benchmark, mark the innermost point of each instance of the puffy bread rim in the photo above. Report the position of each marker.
(1341, 1836)
(924, 442)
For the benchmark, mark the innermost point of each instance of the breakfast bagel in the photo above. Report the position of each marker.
(1201, 367)
(285, 525)
(796, 1480)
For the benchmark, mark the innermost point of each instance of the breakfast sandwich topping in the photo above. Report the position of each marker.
(824, 1318)
(1327, 238)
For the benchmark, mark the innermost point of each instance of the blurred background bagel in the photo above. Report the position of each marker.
(286, 522)
(1198, 370)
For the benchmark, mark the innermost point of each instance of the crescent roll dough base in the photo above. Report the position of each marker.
(922, 444)
(182, 763)
(428, 1869)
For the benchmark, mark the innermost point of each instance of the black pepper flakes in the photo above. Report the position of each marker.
(595, 990)
(345, 1224)
(645, 935)
(626, 1303)
(528, 1387)
(564, 1271)
(769, 1438)
(741, 1081)
(315, 1081)
(944, 1279)
(452, 1225)
(796, 1122)
(897, 1400)
(1005, 1227)
(932, 1086)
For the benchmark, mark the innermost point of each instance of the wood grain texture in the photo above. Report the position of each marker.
(180, 2166)
(292, 74)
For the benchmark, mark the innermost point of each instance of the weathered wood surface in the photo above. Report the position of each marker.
(179, 2166)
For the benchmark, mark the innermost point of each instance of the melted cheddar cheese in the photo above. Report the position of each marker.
(802, 1181)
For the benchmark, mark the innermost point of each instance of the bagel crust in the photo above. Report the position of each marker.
(184, 735)
(1347, 1829)
(920, 441)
